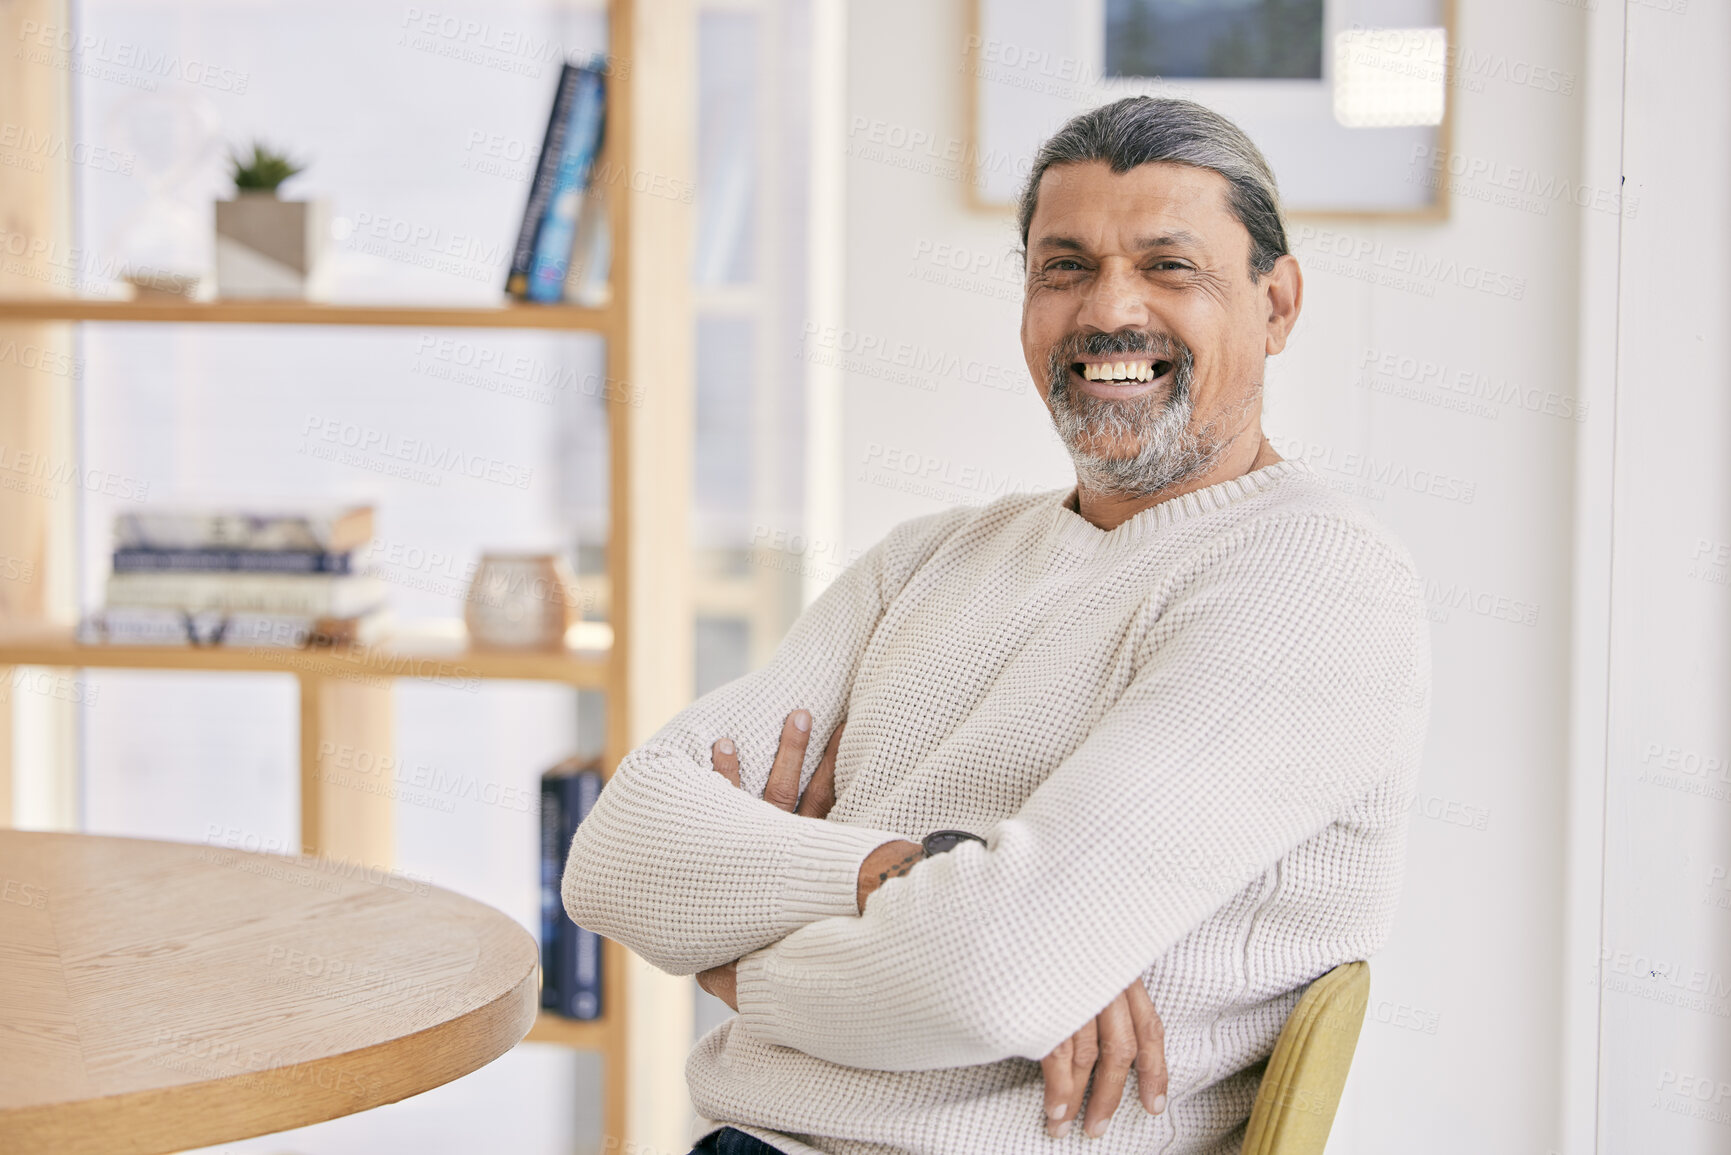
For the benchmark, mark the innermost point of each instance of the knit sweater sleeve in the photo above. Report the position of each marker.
(1277, 681)
(689, 871)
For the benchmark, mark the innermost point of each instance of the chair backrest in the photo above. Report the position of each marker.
(1307, 1072)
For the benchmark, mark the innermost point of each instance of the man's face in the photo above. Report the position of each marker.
(1141, 323)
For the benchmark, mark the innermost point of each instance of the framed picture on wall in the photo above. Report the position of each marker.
(1346, 98)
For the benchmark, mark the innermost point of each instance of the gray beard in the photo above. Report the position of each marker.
(1170, 451)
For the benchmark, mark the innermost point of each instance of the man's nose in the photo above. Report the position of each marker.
(1116, 300)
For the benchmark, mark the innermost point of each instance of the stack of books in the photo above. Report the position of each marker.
(570, 955)
(203, 577)
(562, 247)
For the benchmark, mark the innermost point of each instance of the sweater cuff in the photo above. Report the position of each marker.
(753, 990)
(822, 875)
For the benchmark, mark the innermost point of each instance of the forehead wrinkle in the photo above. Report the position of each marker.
(1176, 239)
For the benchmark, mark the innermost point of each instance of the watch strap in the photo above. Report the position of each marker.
(938, 841)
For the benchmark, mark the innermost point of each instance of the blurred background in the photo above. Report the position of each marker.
(1506, 211)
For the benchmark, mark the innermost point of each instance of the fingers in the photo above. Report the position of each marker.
(1066, 1072)
(725, 758)
(819, 793)
(1128, 1031)
(782, 789)
(1151, 1075)
(1117, 1033)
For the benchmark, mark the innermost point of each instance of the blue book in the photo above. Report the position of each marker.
(570, 955)
(552, 867)
(579, 950)
(145, 560)
(541, 188)
(582, 141)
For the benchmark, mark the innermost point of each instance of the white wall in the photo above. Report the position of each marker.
(1665, 978)
(1462, 1049)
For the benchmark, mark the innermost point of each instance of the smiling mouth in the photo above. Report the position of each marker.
(1129, 370)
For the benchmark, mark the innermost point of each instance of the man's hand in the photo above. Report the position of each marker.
(1127, 1031)
(781, 790)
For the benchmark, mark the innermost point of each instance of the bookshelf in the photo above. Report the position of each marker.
(550, 317)
(398, 658)
(644, 669)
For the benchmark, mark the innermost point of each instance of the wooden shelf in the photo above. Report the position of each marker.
(346, 695)
(563, 1032)
(515, 316)
(587, 669)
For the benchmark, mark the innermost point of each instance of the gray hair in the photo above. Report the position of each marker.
(1144, 130)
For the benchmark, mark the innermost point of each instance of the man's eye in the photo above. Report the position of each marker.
(1169, 265)
(1064, 265)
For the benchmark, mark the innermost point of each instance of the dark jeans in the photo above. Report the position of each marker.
(729, 1141)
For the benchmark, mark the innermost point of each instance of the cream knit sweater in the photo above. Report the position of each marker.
(1190, 743)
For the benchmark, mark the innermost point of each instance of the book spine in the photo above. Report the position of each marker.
(553, 846)
(541, 188)
(141, 560)
(578, 956)
(577, 158)
(138, 627)
(587, 1002)
(336, 532)
(298, 631)
(311, 595)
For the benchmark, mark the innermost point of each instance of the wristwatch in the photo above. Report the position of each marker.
(939, 841)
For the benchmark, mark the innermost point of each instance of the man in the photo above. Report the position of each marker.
(1181, 705)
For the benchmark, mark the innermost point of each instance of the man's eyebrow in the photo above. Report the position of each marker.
(1176, 239)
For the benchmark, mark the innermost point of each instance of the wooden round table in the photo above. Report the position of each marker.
(156, 996)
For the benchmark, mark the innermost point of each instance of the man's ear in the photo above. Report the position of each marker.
(1283, 292)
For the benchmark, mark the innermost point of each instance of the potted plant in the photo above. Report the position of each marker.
(266, 246)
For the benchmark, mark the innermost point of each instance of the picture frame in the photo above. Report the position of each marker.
(1030, 66)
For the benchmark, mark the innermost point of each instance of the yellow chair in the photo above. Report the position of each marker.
(1306, 1074)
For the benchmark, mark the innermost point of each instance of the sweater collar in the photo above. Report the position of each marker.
(1071, 531)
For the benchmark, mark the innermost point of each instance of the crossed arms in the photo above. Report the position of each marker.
(1095, 1061)
(1224, 753)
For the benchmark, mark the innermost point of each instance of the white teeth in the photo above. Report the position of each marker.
(1119, 371)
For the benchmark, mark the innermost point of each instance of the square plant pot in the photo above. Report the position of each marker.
(267, 247)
